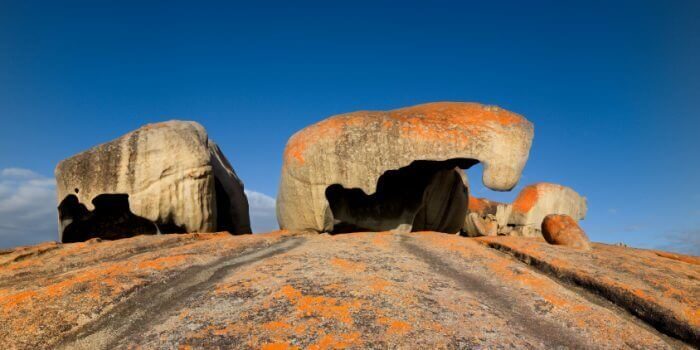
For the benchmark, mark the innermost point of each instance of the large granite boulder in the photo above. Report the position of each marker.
(162, 178)
(376, 170)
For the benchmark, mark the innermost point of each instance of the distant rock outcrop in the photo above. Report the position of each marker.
(162, 178)
(524, 216)
(563, 230)
(541, 199)
(375, 170)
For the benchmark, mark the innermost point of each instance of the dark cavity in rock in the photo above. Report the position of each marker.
(111, 219)
(425, 195)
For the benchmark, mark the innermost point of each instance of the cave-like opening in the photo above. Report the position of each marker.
(425, 195)
(111, 219)
(224, 216)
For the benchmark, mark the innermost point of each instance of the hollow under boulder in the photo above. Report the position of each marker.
(161, 178)
(400, 169)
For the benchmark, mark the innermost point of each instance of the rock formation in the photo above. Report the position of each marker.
(162, 178)
(282, 290)
(375, 170)
(536, 201)
(563, 230)
(524, 216)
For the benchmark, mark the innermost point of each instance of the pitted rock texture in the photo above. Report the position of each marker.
(563, 230)
(386, 160)
(165, 177)
(287, 290)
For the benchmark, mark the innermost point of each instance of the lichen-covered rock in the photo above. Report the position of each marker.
(538, 200)
(524, 216)
(165, 177)
(355, 291)
(370, 169)
(563, 230)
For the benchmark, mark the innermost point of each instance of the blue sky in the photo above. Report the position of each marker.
(613, 88)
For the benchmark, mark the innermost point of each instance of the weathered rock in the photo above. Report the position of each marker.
(485, 218)
(476, 225)
(536, 201)
(524, 216)
(165, 177)
(360, 290)
(660, 288)
(370, 170)
(563, 230)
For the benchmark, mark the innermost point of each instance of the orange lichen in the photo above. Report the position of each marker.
(12, 301)
(320, 306)
(276, 325)
(278, 346)
(526, 200)
(378, 284)
(684, 258)
(430, 121)
(477, 205)
(336, 341)
(348, 266)
(395, 327)
(162, 263)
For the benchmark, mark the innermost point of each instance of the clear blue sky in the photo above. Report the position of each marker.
(613, 88)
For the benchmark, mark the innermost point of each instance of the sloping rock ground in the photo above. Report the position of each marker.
(361, 290)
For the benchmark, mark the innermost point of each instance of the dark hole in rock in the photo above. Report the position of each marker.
(111, 219)
(224, 217)
(425, 195)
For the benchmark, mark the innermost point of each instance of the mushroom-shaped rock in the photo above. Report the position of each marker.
(162, 178)
(563, 230)
(377, 170)
(538, 200)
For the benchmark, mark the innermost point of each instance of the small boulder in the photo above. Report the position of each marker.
(563, 230)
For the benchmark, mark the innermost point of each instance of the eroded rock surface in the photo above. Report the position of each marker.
(165, 177)
(372, 170)
(355, 291)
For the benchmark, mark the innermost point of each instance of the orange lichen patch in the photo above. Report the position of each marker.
(326, 129)
(395, 327)
(449, 120)
(162, 263)
(474, 113)
(348, 266)
(684, 258)
(526, 200)
(278, 346)
(276, 325)
(381, 239)
(12, 301)
(378, 284)
(321, 306)
(430, 121)
(477, 205)
(337, 341)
